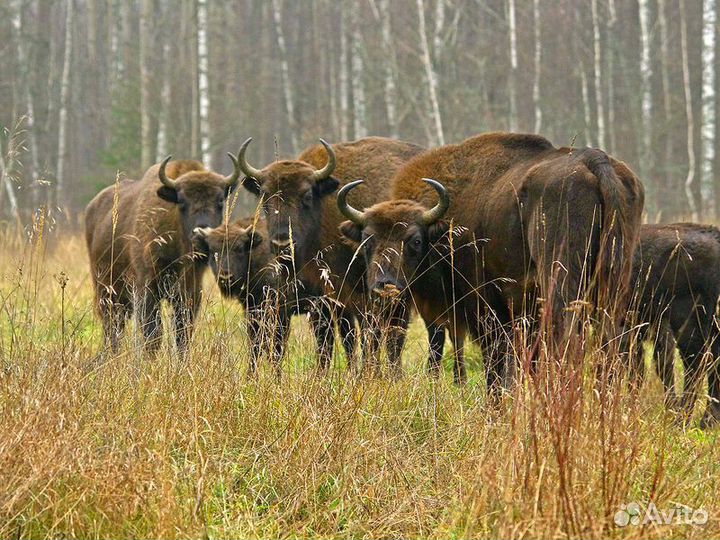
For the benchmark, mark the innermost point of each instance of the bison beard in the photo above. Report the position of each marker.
(534, 221)
(677, 284)
(139, 238)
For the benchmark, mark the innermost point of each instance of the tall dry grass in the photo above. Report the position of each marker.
(140, 447)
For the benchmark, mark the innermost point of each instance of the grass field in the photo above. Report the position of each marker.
(143, 447)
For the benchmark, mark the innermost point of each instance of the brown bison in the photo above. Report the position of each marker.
(302, 219)
(677, 281)
(529, 221)
(247, 270)
(139, 238)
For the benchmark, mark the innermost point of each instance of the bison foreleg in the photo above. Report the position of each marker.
(149, 322)
(321, 320)
(436, 339)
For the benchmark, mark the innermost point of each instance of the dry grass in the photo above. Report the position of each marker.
(154, 448)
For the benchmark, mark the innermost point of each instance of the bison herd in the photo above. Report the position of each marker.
(500, 234)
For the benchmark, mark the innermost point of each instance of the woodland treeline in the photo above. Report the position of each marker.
(92, 87)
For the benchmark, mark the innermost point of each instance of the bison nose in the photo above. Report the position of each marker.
(387, 287)
(280, 244)
(224, 276)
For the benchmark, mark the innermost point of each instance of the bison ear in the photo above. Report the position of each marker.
(351, 231)
(167, 194)
(326, 186)
(256, 238)
(437, 232)
(251, 185)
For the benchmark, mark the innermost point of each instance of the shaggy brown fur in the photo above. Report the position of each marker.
(246, 270)
(677, 288)
(325, 265)
(523, 206)
(140, 247)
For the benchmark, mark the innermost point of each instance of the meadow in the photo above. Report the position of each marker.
(158, 447)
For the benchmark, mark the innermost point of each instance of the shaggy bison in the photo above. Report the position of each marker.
(677, 290)
(302, 220)
(530, 221)
(139, 238)
(247, 270)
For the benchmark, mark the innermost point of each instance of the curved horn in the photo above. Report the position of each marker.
(245, 167)
(327, 170)
(353, 214)
(233, 178)
(437, 211)
(168, 182)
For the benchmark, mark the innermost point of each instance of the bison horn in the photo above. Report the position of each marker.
(245, 167)
(328, 169)
(437, 211)
(354, 215)
(233, 178)
(163, 177)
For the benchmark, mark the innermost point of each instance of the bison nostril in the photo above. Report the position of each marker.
(283, 243)
(224, 277)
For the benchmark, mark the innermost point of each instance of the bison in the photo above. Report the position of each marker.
(246, 269)
(675, 272)
(302, 219)
(139, 239)
(531, 223)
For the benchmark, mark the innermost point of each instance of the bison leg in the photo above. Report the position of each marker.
(664, 354)
(397, 332)
(711, 417)
(253, 331)
(281, 334)
(691, 345)
(184, 314)
(372, 336)
(348, 334)
(321, 320)
(436, 338)
(150, 322)
(459, 372)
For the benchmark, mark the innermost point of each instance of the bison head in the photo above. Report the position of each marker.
(291, 195)
(230, 249)
(199, 195)
(396, 237)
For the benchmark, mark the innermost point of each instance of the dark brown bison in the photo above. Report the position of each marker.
(302, 219)
(677, 280)
(139, 238)
(529, 221)
(247, 270)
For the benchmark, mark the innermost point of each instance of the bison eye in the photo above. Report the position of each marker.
(307, 198)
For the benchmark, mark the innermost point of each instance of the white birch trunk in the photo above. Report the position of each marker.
(389, 61)
(430, 75)
(285, 73)
(597, 64)
(6, 183)
(708, 96)
(358, 83)
(203, 83)
(146, 50)
(645, 75)
(512, 78)
(665, 79)
(344, 78)
(537, 32)
(162, 142)
(690, 179)
(586, 105)
(61, 188)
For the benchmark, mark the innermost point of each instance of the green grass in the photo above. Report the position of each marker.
(158, 448)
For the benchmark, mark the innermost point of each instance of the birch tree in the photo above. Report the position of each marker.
(708, 94)
(62, 193)
(537, 35)
(203, 83)
(389, 67)
(430, 75)
(598, 75)
(285, 74)
(147, 46)
(690, 180)
(343, 77)
(646, 90)
(358, 84)
(512, 76)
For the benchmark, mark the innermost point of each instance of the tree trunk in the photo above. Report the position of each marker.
(690, 180)
(431, 76)
(390, 67)
(147, 48)
(646, 92)
(344, 77)
(285, 74)
(707, 123)
(537, 33)
(512, 76)
(716, 119)
(358, 83)
(203, 83)
(62, 192)
(664, 194)
(597, 56)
